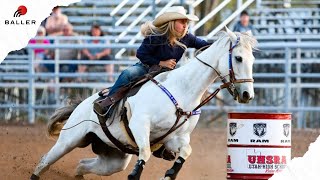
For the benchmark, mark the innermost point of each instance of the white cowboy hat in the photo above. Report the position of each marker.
(173, 13)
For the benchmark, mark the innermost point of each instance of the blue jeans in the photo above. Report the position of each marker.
(129, 75)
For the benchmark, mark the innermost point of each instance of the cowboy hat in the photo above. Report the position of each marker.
(173, 13)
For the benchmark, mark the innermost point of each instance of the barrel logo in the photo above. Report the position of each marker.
(229, 168)
(268, 163)
(232, 128)
(267, 159)
(286, 129)
(260, 129)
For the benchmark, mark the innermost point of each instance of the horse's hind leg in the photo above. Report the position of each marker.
(87, 160)
(104, 164)
(66, 143)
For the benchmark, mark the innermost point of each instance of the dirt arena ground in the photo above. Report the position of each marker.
(22, 146)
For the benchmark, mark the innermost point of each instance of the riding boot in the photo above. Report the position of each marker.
(165, 154)
(104, 92)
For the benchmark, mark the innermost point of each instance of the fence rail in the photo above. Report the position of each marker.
(289, 90)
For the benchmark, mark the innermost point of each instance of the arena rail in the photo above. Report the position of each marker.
(27, 79)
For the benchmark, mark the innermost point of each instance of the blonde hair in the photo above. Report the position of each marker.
(148, 29)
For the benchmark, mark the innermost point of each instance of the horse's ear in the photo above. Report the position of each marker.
(232, 35)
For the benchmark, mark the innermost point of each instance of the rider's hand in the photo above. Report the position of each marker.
(170, 63)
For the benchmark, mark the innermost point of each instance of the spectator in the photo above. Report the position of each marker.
(68, 53)
(39, 54)
(55, 22)
(244, 24)
(97, 53)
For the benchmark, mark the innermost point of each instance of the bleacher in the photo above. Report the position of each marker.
(271, 18)
(83, 14)
(286, 21)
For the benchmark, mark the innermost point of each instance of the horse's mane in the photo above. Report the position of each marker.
(246, 39)
(222, 40)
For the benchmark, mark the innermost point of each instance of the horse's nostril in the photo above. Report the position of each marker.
(246, 95)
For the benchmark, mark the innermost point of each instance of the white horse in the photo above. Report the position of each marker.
(151, 113)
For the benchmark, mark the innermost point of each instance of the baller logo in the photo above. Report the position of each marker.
(232, 128)
(22, 10)
(286, 129)
(260, 129)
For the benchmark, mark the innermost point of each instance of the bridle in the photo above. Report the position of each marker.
(231, 84)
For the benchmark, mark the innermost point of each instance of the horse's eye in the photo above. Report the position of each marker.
(238, 58)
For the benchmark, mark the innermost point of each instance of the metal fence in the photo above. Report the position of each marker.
(287, 77)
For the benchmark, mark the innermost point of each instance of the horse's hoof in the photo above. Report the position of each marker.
(34, 177)
(79, 177)
(132, 177)
(136, 172)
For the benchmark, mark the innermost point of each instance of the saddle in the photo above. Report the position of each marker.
(113, 102)
(124, 92)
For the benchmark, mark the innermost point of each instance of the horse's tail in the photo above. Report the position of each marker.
(60, 116)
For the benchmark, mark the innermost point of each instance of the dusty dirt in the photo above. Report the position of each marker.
(22, 146)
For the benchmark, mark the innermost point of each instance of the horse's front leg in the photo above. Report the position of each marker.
(141, 132)
(184, 152)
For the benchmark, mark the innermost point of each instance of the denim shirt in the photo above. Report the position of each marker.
(157, 48)
(240, 28)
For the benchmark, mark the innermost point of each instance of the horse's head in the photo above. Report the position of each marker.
(237, 61)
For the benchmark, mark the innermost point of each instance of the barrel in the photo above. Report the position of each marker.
(259, 144)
